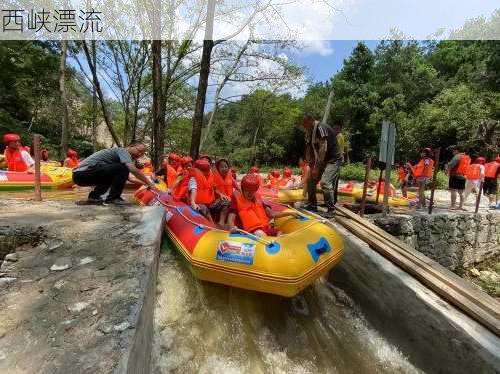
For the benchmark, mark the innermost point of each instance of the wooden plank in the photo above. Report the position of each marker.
(478, 305)
(430, 265)
(447, 291)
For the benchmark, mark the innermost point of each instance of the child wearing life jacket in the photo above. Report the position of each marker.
(203, 194)
(491, 174)
(71, 161)
(423, 172)
(273, 179)
(287, 181)
(456, 169)
(474, 175)
(256, 171)
(254, 215)
(405, 177)
(168, 172)
(184, 172)
(225, 185)
(16, 157)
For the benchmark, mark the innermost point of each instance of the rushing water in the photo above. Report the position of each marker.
(208, 328)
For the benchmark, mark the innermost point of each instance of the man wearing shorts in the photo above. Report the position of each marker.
(456, 169)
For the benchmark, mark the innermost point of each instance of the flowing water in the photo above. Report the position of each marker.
(208, 328)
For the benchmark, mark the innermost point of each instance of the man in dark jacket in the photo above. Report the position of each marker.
(325, 157)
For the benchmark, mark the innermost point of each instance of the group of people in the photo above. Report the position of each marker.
(18, 157)
(464, 176)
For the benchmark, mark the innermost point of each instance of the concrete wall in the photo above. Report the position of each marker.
(455, 240)
(433, 334)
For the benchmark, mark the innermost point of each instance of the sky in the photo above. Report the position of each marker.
(325, 58)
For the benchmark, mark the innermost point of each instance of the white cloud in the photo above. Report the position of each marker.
(320, 47)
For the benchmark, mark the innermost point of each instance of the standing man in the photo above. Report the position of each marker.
(324, 155)
(456, 169)
(109, 169)
(491, 174)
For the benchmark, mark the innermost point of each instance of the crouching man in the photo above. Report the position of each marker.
(109, 169)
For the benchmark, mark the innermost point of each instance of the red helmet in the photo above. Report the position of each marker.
(186, 160)
(480, 160)
(174, 157)
(276, 173)
(71, 153)
(250, 183)
(7, 138)
(254, 169)
(287, 172)
(202, 164)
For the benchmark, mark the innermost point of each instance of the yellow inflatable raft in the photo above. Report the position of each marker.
(52, 177)
(282, 265)
(371, 196)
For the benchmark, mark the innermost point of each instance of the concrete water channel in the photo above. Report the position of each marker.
(102, 314)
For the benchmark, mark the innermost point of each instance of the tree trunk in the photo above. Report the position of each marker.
(158, 126)
(199, 110)
(93, 69)
(64, 102)
(94, 101)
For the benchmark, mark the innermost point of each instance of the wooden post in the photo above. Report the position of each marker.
(434, 178)
(378, 185)
(365, 185)
(36, 150)
(387, 186)
(478, 198)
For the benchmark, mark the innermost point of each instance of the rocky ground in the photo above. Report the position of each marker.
(73, 285)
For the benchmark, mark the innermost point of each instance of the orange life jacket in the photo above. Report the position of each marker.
(420, 170)
(473, 172)
(273, 181)
(401, 174)
(284, 181)
(71, 162)
(14, 159)
(490, 169)
(205, 187)
(180, 191)
(170, 175)
(224, 185)
(252, 213)
(462, 166)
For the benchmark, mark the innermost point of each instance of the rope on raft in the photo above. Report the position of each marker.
(253, 236)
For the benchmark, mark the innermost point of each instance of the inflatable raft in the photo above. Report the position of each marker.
(52, 177)
(296, 194)
(283, 265)
(371, 196)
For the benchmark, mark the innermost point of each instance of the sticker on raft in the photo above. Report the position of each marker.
(236, 252)
(3, 176)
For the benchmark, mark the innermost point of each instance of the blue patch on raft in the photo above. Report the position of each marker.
(198, 230)
(273, 248)
(303, 218)
(194, 213)
(318, 248)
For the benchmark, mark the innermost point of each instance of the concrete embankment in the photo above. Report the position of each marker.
(434, 335)
(77, 287)
(456, 240)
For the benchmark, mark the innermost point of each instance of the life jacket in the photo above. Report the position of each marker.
(224, 185)
(273, 181)
(420, 170)
(284, 181)
(473, 172)
(205, 187)
(462, 166)
(71, 162)
(401, 174)
(180, 191)
(170, 175)
(490, 169)
(252, 213)
(14, 159)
